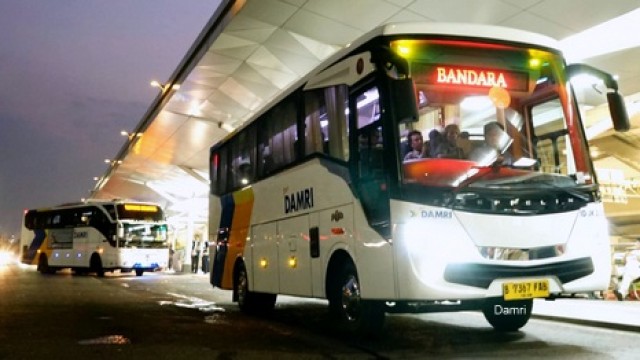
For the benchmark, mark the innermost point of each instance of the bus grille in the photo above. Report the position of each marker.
(519, 204)
(482, 275)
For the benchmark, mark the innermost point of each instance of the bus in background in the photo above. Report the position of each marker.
(314, 198)
(96, 236)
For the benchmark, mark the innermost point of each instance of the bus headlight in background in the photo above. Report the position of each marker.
(7, 257)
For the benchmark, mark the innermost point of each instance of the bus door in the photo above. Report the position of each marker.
(293, 256)
(369, 170)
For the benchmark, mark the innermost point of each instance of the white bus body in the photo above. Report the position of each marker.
(341, 216)
(96, 237)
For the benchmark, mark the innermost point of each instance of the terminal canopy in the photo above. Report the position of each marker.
(252, 50)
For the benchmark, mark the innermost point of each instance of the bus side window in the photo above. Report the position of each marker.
(315, 114)
(326, 124)
(242, 156)
(277, 132)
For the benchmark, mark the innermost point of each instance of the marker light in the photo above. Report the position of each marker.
(534, 63)
(293, 262)
(264, 263)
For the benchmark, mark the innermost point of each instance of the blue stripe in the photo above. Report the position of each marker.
(226, 218)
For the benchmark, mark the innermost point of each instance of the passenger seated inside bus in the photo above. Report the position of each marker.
(448, 146)
(435, 138)
(417, 150)
(464, 142)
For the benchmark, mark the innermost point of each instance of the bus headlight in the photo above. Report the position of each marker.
(430, 248)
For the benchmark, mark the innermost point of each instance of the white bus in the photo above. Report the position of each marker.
(96, 236)
(313, 197)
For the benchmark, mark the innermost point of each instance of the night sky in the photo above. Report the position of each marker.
(74, 73)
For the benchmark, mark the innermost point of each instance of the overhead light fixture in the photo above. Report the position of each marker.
(165, 87)
(195, 108)
(130, 135)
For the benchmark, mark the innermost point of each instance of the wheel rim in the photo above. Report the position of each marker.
(351, 298)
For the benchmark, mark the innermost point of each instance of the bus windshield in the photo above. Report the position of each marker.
(492, 116)
(142, 235)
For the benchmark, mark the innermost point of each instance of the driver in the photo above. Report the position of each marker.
(491, 150)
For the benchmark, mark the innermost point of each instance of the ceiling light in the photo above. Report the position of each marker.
(165, 87)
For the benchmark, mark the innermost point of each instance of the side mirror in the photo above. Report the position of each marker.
(617, 108)
(618, 111)
(403, 95)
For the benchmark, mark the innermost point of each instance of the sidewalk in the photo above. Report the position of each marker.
(619, 315)
(611, 314)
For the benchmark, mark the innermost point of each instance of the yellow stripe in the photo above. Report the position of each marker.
(243, 206)
(43, 249)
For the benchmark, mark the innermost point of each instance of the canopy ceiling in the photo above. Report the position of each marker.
(250, 51)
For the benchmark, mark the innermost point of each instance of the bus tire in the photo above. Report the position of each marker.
(507, 316)
(96, 265)
(353, 314)
(249, 301)
(139, 272)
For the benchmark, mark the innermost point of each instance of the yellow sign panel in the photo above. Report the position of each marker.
(139, 207)
(525, 290)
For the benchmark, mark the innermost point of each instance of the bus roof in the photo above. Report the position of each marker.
(476, 31)
(479, 31)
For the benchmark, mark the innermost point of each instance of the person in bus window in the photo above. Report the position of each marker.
(490, 152)
(464, 142)
(416, 146)
(449, 148)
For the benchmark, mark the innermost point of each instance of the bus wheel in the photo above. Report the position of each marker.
(249, 301)
(356, 316)
(96, 265)
(139, 272)
(507, 315)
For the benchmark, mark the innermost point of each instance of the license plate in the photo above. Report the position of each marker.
(525, 289)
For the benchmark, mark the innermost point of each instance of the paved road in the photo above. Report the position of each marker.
(161, 316)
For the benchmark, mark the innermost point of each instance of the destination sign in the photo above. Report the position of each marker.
(472, 76)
